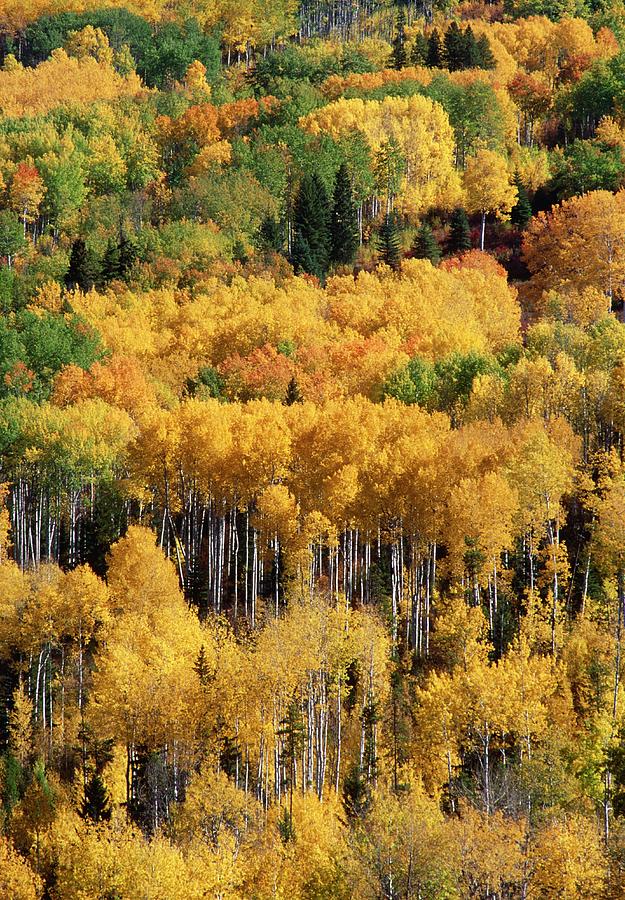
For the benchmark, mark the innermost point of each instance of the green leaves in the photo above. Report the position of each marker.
(34, 348)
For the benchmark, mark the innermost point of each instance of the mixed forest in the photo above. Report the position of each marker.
(312, 476)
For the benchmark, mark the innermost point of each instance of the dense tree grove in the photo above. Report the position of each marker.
(312, 474)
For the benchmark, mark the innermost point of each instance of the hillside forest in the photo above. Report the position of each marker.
(312, 476)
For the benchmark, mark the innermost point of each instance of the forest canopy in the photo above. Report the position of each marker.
(312, 489)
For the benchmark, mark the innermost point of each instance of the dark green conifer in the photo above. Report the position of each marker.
(293, 394)
(521, 212)
(454, 48)
(111, 263)
(425, 245)
(472, 54)
(460, 232)
(399, 56)
(270, 235)
(83, 269)
(128, 254)
(302, 257)
(487, 60)
(419, 54)
(202, 669)
(96, 805)
(435, 51)
(344, 220)
(388, 243)
(311, 223)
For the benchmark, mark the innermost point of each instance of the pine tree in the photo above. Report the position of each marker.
(399, 56)
(521, 212)
(96, 805)
(202, 668)
(293, 394)
(472, 54)
(435, 51)
(302, 257)
(292, 733)
(454, 48)
(270, 235)
(487, 60)
(425, 245)
(460, 232)
(311, 220)
(83, 269)
(111, 264)
(419, 54)
(388, 244)
(127, 255)
(344, 221)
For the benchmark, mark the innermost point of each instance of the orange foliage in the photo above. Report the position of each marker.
(477, 260)
(336, 85)
(265, 372)
(120, 381)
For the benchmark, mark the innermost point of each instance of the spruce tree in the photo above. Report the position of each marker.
(454, 48)
(311, 221)
(388, 244)
(460, 232)
(302, 257)
(472, 54)
(344, 221)
(293, 394)
(83, 269)
(399, 56)
(96, 805)
(487, 60)
(111, 263)
(521, 212)
(292, 736)
(127, 255)
(419, 54)
(425, 245)
(270, 235)
(435, 51)
(201, 667)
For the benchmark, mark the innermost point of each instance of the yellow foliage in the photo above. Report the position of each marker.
(61, 80)
(17, 879)
(420, 129)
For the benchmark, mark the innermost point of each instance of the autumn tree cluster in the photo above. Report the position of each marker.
(312, 490)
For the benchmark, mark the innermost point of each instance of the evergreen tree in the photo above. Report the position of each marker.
(388, 243)
(202, 669)
(472, 54)
(344, 220)
(83, 269)
(460, 233)
(292, 733)
(111, 263)
(487, 60)
(127, 255)
(293, 394)
(311, 221)
(454, 51)
(425, 245)
(96, 805)
(302, 257)
(521, 212)
(270, 235)
(435, 51)
(419, 54)
(399, 56)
